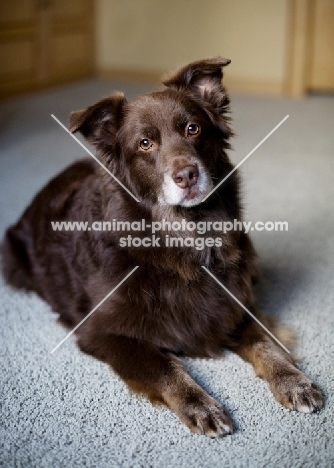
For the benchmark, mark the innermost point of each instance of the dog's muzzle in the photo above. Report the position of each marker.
(186, 186)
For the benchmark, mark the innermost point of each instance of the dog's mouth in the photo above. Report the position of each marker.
(191, 194)
(192, 197)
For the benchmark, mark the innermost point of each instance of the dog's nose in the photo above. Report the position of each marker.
(186, 177)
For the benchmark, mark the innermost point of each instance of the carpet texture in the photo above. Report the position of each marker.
(68, 409)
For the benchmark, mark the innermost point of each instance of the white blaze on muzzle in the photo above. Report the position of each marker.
(190, 196)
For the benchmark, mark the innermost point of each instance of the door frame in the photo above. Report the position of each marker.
(298, 47)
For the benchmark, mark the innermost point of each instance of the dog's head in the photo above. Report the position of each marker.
(166, 146)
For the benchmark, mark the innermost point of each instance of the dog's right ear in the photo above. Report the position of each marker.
(99, 122)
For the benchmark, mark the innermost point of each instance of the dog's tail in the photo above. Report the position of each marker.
(16, 263)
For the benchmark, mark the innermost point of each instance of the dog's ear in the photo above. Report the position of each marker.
(99, 122)
(204, 80)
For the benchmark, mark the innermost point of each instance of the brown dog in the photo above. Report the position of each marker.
(168, 149)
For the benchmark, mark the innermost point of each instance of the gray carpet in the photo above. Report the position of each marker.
(68, 409)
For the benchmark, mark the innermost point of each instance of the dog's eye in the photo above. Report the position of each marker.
(193, 129)
(145, 144)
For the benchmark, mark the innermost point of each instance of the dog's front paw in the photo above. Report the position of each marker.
(297, 392)
(204, 415)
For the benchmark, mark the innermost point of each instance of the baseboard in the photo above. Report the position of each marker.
(242, 85)
(130, 74)
(13, 88)
(260, 87)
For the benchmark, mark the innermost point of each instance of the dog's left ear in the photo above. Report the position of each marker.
(204, 80)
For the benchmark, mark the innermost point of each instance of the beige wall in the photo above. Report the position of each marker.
(157, 35)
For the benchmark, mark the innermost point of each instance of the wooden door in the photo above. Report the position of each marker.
(45, 42)
(70, 40)
(19, 42)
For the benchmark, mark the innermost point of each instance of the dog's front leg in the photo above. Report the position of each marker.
(291, 387)
(162, 378)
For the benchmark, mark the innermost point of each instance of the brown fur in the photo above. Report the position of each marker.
(170, 306)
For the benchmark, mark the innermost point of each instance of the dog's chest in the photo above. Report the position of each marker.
(189, 317)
